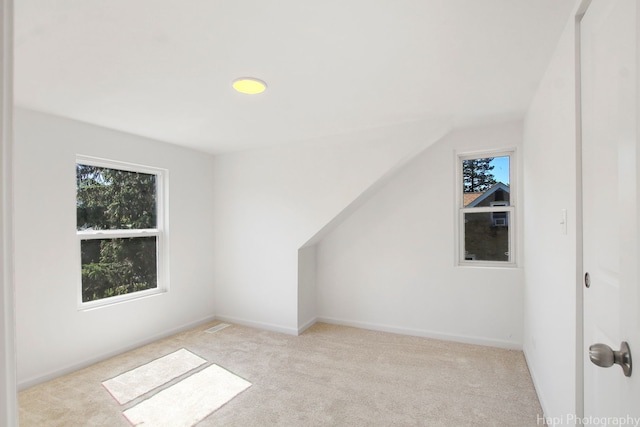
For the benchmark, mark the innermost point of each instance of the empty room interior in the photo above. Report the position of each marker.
(363, 212)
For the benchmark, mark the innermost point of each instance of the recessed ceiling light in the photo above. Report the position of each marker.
(249, 85)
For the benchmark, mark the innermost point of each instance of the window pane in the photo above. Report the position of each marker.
(113, 199)
(485, 181)
(486, 236)
(118, 266)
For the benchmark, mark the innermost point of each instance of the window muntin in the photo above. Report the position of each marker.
(120, 229)
(486, 209)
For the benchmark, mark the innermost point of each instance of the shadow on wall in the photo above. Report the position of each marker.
(307, 263)
(387, 261)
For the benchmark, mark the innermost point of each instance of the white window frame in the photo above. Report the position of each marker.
(160, 232)
(511, 208)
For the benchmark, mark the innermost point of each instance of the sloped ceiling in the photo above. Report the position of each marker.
(163, 68)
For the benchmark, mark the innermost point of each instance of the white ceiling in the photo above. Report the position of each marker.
(163, 68)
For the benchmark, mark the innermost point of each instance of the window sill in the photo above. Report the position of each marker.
(488, 264)
(119, 299)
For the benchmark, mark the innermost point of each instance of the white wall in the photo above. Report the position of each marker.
(307, 284)
(391, 264)
(550, 271)
(269, 202)
(53, 335)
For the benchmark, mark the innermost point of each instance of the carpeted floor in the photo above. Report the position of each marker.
(329, 376)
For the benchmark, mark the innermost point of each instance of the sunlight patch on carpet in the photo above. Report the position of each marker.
(132, 384)
(188, 401)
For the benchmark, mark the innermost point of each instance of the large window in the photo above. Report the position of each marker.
(120, 228)
(486, 205)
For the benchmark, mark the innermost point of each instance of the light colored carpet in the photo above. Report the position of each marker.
(188, 401)
(329, 376)
(136, 382)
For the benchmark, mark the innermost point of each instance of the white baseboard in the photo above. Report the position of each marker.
(30, 382)
(270, 327)
(510, 345)
(536, 387)
(258, 325)
(490, 342)
(307, 325)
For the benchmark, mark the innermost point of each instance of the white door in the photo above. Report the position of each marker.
(609, 55)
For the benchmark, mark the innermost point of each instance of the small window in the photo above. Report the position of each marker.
(120, 228)
(499, 219)
(486, 209)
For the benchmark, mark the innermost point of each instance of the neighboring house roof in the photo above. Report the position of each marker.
(476, 198)
(468, 198)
